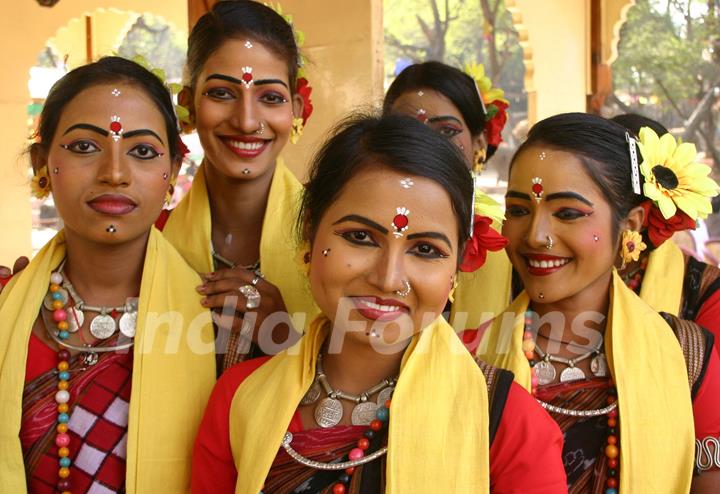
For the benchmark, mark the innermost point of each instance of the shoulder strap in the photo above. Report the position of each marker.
(498, 386)
(697, 346)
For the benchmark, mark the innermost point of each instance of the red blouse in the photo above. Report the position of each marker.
(524, 457)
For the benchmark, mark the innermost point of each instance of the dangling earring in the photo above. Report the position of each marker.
(631, 246)
(170, 192)
(41, 183)
(479, 157)
(453, 286)
(297, 130)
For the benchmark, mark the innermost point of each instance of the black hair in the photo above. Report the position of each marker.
(634, 122)
(107, 70)
(452, 83)
(237, 19)
(601, 147)
(400, 143)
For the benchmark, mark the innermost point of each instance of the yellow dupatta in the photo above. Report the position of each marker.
(482, 294)
(664, 277)
(429, 444)
(648, 367)
(173, 367)
(189, 229)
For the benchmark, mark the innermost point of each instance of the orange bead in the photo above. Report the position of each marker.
(376, 425)
(63, 366)
(57, 304)
(387, 404)
(66, 492)
(54, 287)
(64, 473)
(528, 346)
(63, 325)
(611, 482)
(612, 440)
(611, 451)
(61, 428)
(63, 452)
(63, 408)
(529, 355)
(63, 385)
(612, 422)
(612, 463)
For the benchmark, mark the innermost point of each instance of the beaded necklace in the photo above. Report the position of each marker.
(633, 280)
(612, 446)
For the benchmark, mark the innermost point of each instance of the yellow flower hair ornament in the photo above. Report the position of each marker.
(632, 246)
(673, 178)
(493, 102)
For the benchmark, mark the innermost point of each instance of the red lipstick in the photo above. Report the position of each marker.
(245, 146)
(112, 204)
(544, 265)
(378, 309)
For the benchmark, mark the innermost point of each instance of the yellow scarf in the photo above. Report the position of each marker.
(169, 389)
(647, 364)
(438, 435)
(664, 277)
(189, 229)
(482, 294)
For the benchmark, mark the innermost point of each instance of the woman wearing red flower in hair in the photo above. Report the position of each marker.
(666, 278)
(466, 109)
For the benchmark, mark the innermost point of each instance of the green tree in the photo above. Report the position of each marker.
(161, 46)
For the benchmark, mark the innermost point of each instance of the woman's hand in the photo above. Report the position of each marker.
(6, 273)
(245, 302)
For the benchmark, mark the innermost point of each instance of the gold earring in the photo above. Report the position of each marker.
(170, 192)
(297, 130)
(479, 157)
(41, 183)
(631, 246)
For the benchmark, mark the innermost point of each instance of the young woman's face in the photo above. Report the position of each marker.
(571, 211)
(243, 108)
(362, 259)
(435, 109)
(109, 163)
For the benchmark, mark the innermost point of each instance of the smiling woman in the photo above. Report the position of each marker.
(107, 149)
(380, 387)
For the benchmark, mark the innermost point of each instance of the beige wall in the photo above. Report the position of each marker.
(558, 35)
(344, 45)
(27, 28)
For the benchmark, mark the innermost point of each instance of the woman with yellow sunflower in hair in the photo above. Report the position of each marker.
(663, 276)
(465, 108)
(636, 393)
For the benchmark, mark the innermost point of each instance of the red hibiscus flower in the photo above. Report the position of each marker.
(495, 125)
(484, 238)
(660, 229)
(304, 90)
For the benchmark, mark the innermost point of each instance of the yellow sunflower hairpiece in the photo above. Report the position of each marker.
(488, 92)
(40, 184)
(673, 178)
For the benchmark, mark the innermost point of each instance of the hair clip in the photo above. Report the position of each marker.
(635, 169)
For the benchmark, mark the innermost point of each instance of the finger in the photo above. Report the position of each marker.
(228, 301)
(5, 272)
(235, 273)
(225, 286)
(20, 264)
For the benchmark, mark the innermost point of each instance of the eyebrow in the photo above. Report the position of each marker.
(436, 235)
(442, 118)
(551, 197)
(234, 80)
(142, 132)
(85, 126)
(364, 221)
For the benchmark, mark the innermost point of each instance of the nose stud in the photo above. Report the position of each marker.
(405, 291)
(549, 244)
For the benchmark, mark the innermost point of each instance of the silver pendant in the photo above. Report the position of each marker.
(48, 301)
(328, 413)
(384, 395)
(76, 318)
(312, 394)
(128, 323)
(545, 372)
(599, 366)
(91, 359)
(102, 326)
(571, 374)
(364, 413)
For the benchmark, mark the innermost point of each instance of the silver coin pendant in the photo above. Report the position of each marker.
(599, 366)
(128, 323)
(545, 372)
(571, 374)
(102, 326)
(312, 394)
(384, 395)
(364, 413)
(328, 413)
